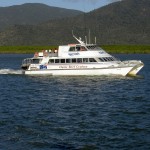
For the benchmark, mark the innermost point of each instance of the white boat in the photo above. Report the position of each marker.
(78, 59)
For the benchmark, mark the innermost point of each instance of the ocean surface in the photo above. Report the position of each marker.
(73, 113)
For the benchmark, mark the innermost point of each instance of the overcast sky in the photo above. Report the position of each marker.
(83, 5)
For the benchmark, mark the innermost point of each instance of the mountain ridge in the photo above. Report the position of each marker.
(123, 22)
(32, 14)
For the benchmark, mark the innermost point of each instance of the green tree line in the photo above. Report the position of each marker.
(120, 49)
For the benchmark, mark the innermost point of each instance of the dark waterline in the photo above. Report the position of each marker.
(63, 113)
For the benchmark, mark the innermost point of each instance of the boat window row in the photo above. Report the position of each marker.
(29, 61)
(84, 48)
(78, 48)
(94, 47)
(107, 59)
(72, 60)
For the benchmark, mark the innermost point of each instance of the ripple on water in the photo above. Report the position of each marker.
(41, 112)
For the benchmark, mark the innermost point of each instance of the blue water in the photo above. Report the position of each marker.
(73, 113)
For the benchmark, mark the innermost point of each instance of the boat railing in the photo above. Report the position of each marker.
(26, 62)
(53, 54)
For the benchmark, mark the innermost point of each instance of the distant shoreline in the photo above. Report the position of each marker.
(114, 49)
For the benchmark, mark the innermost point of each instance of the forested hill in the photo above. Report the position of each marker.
(122, 22)
(32, 13)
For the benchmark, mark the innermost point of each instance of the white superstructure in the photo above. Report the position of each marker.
(79, 59)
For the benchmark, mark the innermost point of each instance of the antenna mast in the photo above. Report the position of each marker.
(79, 40)
(89, 36)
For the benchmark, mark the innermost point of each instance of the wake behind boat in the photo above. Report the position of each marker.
(78, 59)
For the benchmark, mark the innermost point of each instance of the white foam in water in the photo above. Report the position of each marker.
(10, 71)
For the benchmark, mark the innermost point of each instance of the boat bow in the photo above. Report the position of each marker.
(137, 65)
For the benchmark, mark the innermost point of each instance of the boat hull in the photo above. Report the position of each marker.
(77, 72)
(119, 68)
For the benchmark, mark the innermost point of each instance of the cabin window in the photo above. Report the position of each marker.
(62, 60)
(56, 60)
(92, 60)
(72, 49)
(27, 61)
(111, 59)
(36, 61)
(51, 61)
(78, 48)
(101, 59)
(91, 47)
(74, 60)
(85, 59)
(104, 59)
(79, 60)
(68, 60)
(94, 47)
(107, 59)
(82, 48)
